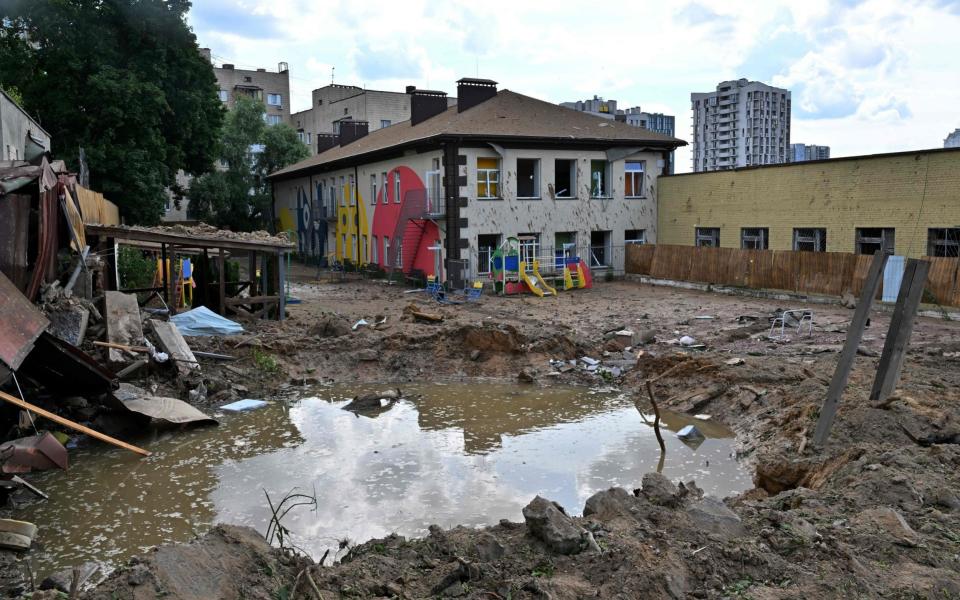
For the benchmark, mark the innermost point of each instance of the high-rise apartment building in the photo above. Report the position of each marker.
(656, 122)
(743, 123)
(333, 104)
(805, 152)
(953, 140)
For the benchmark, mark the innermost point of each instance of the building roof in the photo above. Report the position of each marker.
(508, 116)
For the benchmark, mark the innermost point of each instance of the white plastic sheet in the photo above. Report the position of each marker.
(203, 321)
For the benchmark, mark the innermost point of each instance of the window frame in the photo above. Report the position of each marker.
(607, 247)
(223, 95)
(277, 97)
(536, 179)
(488, 263)
(760, 234)
(374, 250)
(384, 185)
(397, 195)
(352, 182)
(571, 173)
(860, 238)
(702, 234)
(483, 177)
(342, 191)
(635, 240)
(603, 194)
(817, 238)
(631, 176)
(373, 189)
(950, 239)
(385, 123)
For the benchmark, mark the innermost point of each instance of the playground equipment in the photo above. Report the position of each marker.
(576, 274)
(534, 281)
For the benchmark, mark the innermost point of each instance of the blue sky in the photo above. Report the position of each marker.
(866, 77)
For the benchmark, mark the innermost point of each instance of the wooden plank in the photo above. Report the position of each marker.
(173, 344)
(282, 286)
(183, 239)
(252, 300)
(122, 314)
(252, 271)
(854, 334)
(901, 328)
(222, 288)
(20, 324)
(68, 423)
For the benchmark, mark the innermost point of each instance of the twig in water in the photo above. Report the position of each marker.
(275, 529)
(656, 418)
(313, 584)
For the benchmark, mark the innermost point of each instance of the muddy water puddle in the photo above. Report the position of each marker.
(468, 454)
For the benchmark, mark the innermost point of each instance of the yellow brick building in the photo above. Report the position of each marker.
(909, 201)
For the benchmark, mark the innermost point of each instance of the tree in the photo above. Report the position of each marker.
(239, 195)
(124, 79)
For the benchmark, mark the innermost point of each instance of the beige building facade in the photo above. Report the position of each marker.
(565, 183)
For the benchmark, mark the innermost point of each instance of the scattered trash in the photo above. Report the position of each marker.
(203, 321)
(360, 323)
(169, 410)
(734, 361)
(704, 317)
(34, 453)
(702, 417)
(590, 361)
(174, 345)
(687, 341)
(690, 432)
(244, 405)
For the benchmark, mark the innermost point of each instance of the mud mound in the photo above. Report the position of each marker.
(489, 338)
(229, 562)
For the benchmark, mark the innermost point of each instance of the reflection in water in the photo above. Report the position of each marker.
(460, 454)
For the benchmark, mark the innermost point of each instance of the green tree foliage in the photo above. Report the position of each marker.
(239, 196)
(124, 79)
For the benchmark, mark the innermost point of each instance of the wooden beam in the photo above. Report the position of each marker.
(901, 328)
(282, 282)
(68, 423)
(183, 239)
(222, 293)
(163, 274)
(252, 271)
(252, 300)
(854, 334)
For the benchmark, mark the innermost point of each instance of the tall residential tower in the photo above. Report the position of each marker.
(741, 124)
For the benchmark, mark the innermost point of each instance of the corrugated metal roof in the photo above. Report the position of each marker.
(20, 324)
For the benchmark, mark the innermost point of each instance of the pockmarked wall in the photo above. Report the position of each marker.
(910, 192)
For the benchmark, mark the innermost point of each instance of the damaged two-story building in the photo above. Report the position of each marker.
(440, 192)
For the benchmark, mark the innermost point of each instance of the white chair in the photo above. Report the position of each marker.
(800, 316)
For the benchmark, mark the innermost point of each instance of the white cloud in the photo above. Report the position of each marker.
(851, 65)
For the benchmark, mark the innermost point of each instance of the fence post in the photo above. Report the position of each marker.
(854, 334)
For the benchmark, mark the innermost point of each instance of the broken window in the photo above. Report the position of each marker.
(564, 246)
(528, 178)
(486, 245)
(600, 248)
(754, 238)
(635, 236)
(707, 237)
(944, 241)
(488, 178)
(633, 179)
(810, 239)
(565, 178)
(529, 248)
(871, 239)
(600, 179)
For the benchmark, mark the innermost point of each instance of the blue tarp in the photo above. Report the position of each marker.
(203, 321)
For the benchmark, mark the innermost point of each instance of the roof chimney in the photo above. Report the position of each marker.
(351, 131)
(425, 104)
(325, 141)
(471, 92)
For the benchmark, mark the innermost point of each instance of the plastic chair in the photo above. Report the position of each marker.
(474, 293)
(801, 316)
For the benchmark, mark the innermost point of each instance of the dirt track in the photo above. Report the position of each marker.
(875, 513)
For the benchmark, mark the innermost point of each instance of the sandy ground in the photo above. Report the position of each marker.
(873, 514)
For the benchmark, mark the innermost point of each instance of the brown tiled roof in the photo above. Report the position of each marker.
(506, 115)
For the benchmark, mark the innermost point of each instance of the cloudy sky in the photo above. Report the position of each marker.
(866, 77)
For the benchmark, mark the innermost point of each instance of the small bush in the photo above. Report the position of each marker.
(136, 270)
(265, 362)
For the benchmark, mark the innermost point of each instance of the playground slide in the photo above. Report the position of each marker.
(535, 284)
(586, 277)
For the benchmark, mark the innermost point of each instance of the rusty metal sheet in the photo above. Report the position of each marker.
(20, 324)
(14, 230)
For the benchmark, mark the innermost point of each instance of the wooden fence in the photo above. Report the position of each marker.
(826, 273)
